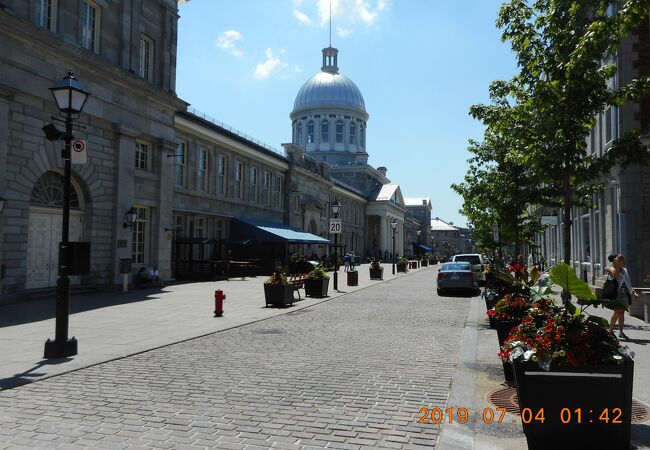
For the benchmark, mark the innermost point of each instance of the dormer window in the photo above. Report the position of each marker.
(310, 132)
(353, 133)
(324, 131)
(339, 132)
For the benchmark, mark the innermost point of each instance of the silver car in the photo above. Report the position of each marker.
(457, 276)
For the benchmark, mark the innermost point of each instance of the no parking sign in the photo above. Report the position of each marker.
(79, 152)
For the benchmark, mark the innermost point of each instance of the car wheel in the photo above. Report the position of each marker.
(439, 291)
(477, 293)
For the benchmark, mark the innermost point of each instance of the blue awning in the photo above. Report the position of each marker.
(272, 232)
(422, 248)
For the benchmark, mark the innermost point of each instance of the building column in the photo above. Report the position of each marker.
(381, 242)
(5, 97)
(125, 190)
(162, 245)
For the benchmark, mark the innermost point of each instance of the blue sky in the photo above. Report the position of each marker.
(419, 64)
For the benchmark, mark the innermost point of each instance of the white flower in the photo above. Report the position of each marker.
(516, 353)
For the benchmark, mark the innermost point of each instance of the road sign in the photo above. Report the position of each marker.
(79, 152)
(335, 226)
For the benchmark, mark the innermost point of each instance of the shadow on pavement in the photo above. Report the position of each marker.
(26, 376)
(44, 309)
(640, 435)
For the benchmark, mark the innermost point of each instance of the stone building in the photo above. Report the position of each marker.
(419, 208)
(445, 238)
(201, 190)
(620, 221)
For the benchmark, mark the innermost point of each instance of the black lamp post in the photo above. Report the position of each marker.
(336, 209)
(70, 97)
(393, 225)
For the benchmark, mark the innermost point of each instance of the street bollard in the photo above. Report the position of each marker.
(219, 297)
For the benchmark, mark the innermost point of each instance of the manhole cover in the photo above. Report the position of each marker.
(507, 398)
(269, 331)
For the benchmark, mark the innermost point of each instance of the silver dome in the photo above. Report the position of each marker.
(329, 90)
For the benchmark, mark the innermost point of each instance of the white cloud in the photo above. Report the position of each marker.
(343, 32)
(302, 17)
(227, 41)
(297, 69)
(348, 12)
(271, 65)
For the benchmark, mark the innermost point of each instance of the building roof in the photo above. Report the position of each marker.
(386, 192)
(417, 201)
(441, 225)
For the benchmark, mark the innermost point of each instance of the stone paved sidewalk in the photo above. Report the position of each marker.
(352, 372)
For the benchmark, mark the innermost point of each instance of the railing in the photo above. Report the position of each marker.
(226, 127)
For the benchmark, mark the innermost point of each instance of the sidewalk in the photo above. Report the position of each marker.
(479, 371)
(114, 325)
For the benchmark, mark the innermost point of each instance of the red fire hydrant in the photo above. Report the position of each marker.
(219, 297)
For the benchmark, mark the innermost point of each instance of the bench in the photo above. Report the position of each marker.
(297, 280)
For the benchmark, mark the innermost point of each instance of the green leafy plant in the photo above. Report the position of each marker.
(278, 278)
(319, 273)
(375, 264)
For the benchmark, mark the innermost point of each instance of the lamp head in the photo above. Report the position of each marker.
(130, 217)
(393, 224)
(52, 133)
(336, 207)
(69, 94)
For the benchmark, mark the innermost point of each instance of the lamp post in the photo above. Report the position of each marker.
(70, 97)
(393, 225)
(336, 209)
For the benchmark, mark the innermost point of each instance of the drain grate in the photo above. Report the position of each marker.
(507, 398)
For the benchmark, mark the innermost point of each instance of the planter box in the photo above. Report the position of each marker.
(278, 295)
(377, 274)
(401, 267)
(490, 301)
(353, 278)
(568, 394)
(413, 264)
(316, 288)
(424, 263)
(503, 330)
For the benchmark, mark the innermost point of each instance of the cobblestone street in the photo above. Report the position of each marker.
(349, 373)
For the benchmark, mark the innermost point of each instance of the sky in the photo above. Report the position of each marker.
(420, 65)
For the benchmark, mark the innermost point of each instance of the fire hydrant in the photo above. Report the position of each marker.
(219, 297)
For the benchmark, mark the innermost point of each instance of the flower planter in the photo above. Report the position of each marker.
(353, 278)
(413, 264)
(490, 301)
(316, 288)
(583, 407)
(401, 267)
(503, 330)
(278, 295)
(424, 263)
(377, 274)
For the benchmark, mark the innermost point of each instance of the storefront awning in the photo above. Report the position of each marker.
(272, 232)
(421, 247)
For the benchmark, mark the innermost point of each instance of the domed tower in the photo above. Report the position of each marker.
(329, 116)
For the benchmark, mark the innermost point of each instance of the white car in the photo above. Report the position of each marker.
(476, 260)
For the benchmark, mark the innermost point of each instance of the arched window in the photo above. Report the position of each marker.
(299, 134)
(362, 138)
(353, 133)
(339, 131)
(325, 131)
(310, 132)
(48, 191)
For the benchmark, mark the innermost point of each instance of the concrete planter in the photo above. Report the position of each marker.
(278, 295)
(316, 288)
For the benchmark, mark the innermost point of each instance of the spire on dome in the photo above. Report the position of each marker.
(330, 60)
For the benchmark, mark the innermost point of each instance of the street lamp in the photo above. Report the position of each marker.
(393, 225)
(70, 96)
(336, 209)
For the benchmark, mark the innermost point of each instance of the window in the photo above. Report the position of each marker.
(46, 14)
(310, 132)
(324, 131)
(339, 132)
(177, 231)
(353, 133)
(199, 227)
(139, 236)
(254, 186)
(145, 69)
(90, 26)
(142, 155)
(611, 112)
(299, 134)
(267, 188)
(239, 175)
(221, 175)
(202, 170)
(179, 164)
(362, 138)
(278, 197)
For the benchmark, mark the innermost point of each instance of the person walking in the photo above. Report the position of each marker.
(625, 292)
(346, 262)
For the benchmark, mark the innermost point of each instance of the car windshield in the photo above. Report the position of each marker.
(472, 259)
(454, 266)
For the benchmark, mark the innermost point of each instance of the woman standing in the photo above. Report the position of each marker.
(625, 292)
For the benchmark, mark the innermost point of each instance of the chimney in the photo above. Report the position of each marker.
(424, 202)
(382, 170)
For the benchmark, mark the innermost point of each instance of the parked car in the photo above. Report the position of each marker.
(476, 260)
(457, 276)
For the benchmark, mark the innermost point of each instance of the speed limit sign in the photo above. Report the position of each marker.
(335, 226)
(78, 152)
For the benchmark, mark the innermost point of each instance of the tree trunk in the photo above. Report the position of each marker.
(566, 297)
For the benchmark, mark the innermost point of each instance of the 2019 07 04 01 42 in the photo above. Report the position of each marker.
(497, 415)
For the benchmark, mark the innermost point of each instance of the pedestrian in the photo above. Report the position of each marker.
(346, 262)
(625, 292)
